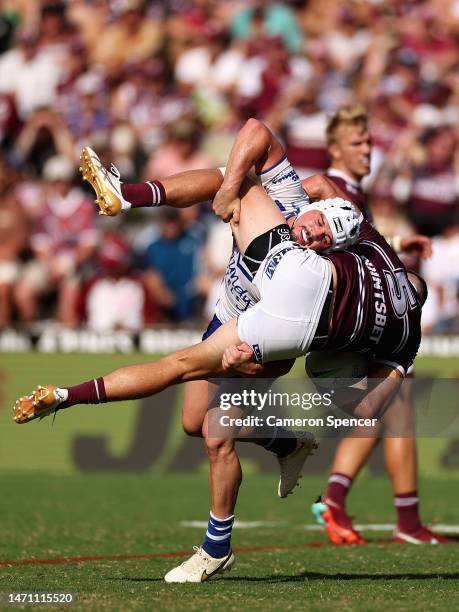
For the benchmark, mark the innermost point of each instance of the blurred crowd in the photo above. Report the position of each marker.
(162, 86)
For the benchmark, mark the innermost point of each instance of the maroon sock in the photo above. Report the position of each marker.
(407, 506)
(338, 488)
(151, 193)
(90, 392)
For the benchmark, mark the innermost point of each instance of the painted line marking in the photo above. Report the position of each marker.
(441, 528)
(239, 524)
(451, 529)
(167, 555)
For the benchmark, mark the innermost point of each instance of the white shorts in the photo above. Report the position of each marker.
(293, 284)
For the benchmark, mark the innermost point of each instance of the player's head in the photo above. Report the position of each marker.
(348, 141)
(419, 285)
(327, 225)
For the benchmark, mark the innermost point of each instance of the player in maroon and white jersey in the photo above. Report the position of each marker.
(375, 309)
(349, 149)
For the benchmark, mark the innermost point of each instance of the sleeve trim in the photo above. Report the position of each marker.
(273, 166)
(392, 364)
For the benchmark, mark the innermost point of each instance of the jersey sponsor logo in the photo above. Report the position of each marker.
(401, 292)
(284, 234)
(284, 176)
(257, 353)
(232, 282)
(272, 264)
(379, 303)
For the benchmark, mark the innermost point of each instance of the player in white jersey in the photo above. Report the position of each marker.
(238, 292)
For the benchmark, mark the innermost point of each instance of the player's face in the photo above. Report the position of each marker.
(352, 150)
(311, 230)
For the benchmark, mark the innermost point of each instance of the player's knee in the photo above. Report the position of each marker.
(218, 449)
(191, 427)
(365, 410)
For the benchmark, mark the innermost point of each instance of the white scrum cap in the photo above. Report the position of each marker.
(343, 219)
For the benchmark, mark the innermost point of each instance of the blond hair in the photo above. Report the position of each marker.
(355, 115)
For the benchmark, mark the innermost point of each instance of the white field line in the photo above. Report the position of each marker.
(441, 528)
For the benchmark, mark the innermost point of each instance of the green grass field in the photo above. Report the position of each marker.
(52, 508)
(60, 516)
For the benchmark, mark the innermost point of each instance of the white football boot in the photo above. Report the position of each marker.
(200, 567)
(291, 466)
(106, 183)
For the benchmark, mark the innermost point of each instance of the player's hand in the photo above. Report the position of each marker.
(239, 359)
(418, 244)
(227, 206)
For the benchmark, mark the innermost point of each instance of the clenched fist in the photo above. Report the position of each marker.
(227, 206)
(239, 359)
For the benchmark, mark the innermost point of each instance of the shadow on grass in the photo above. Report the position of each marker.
(305, 576)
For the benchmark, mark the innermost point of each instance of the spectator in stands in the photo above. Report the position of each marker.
(441, 310)
(179, 153)
(171, 263)
(116, 297)
(132, 37)
(88, 118)
(347, 43)
(303, 126)
(130, 76)
(14, 232)
(43, 136)
(30, 75)
(64, 238)
(431, 188)
(148, 102)
(54, 32)
(267, 18)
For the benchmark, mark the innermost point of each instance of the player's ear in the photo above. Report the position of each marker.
(334, 151)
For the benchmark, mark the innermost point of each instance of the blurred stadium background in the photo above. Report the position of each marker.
(162, 86)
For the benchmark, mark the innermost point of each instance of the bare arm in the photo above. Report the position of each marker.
(383, 383)
(255, 146)
(320, 187)
(239, 360)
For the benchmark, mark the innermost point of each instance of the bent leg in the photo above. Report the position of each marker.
(401, 463)
(187, 188)
(133, 382)
(196, 398)
(400, 443)
(352, 454)
(225, 474)
(258, 215)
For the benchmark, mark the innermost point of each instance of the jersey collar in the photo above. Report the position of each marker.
(344, 176)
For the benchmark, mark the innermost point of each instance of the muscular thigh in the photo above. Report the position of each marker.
(196, 398)
(204, 360)
(399, 419)
(258, 215)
